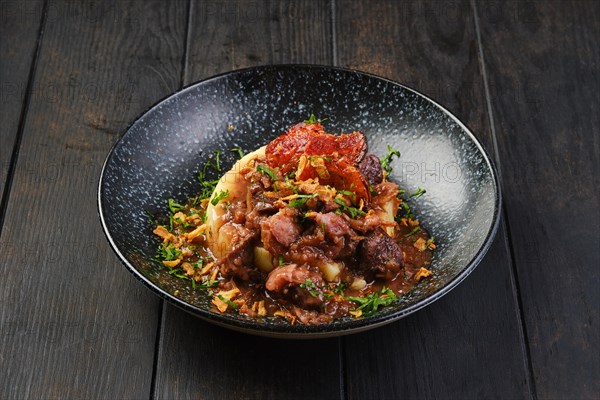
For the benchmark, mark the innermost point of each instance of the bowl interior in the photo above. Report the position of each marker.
(159, 156)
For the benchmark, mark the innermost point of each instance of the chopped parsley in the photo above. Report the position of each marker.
(181, 223)
(353, 211)
(294, 188)
(414, 230)
(217, 198)
(178, 272)
(405, 212)
(300, 201)
(430, 241)
(267, 171)
(310, 287)
(168, 252)
(217, 164)
(340, 288)
(208, 186)
(173, 206)
(239, 151)
(229, 302)
(209, 284)
(387, 160)
(347, 193)
(420, 192)
(151, 218)
(371, 303)
(313, 120)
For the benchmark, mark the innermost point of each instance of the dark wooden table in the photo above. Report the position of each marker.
(524, 76)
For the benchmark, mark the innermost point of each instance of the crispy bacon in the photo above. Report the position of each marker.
(285, 151)
(314, 153)
(337, 173)
(312, 140)
(351, 147)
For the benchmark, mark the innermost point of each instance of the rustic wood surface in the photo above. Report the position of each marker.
(20, 29)
(524, 76)
(542, 63)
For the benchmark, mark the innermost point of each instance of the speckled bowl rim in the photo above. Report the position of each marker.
(299, 331)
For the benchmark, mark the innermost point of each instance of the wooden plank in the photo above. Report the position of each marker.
(542, 61)
(19, 29)
(74, 323)
(233, 34)
(200, 360)
(467, 344)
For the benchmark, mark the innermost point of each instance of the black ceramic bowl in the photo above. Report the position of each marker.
(159, 155)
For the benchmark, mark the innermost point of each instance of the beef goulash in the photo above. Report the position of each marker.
(307, 228)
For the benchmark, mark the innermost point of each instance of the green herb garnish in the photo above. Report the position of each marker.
(340, 288)
(420, 192)
(181, 223)
(430, 241)
(173, 206)
(407, 212)
(178, 272)
(310, 287)
(313, 120)
(300, 201)
(347, 193)
(151, 218)
(297, 203)
(209, 284)
(294, 188)
(168, 252)
(371, 303)
(217, 160)
(353, 211)
(387, 160)
(414, 230)
(208, 186)
(239, 151)
(231, 303)
(222, 195)
(267, 171)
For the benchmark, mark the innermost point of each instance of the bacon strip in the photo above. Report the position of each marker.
(339, 156)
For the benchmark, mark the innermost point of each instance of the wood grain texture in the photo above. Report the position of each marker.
(196, 359)
(542, 61)
(19, 28)
(74, 323)
(468, 344)
(201, 361)
(233, 34)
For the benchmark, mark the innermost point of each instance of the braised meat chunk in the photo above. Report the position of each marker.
(379, 254)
